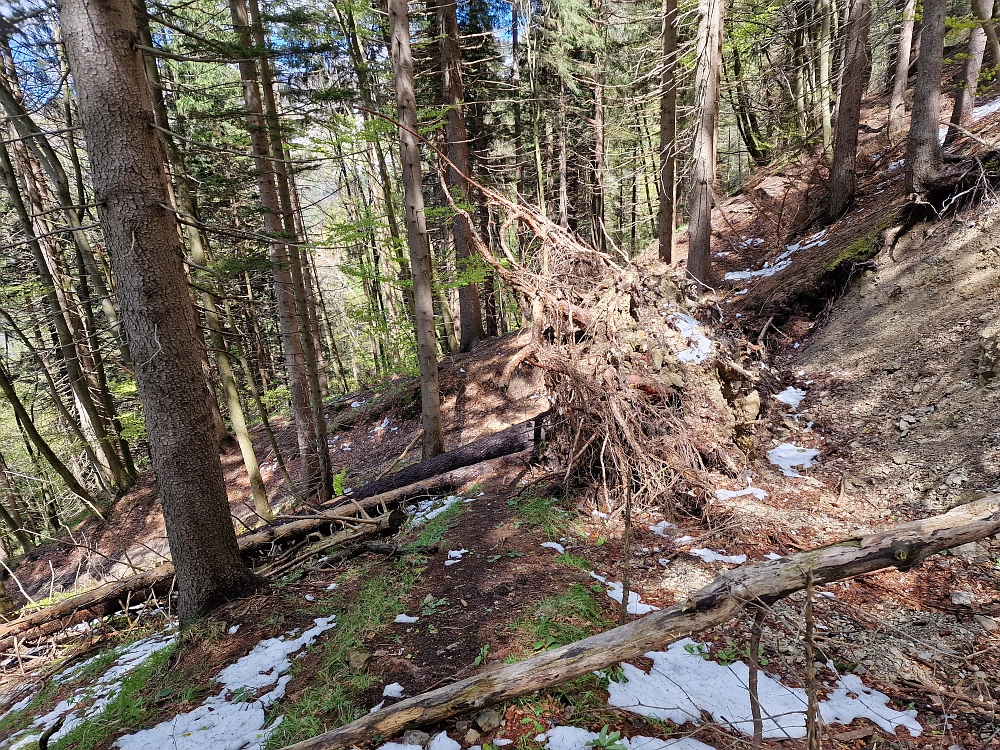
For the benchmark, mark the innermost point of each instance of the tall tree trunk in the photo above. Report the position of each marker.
(708, 80)
(147, 257)
(668, 135)
(323, 485)
(10, 501)
(600, 157)
(563, 160)
(854, 83)
(923, 149)
(897, 104)
(826, 11)
(965, 95)
(469, 307)
(198, 247)
(280, 256)
(416, 229)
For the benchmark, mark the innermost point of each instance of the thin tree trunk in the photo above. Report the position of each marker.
(983, 10)
(825, 42)
(708, 79)
(280, 255)
(10, 499)
(857, 70)
(147, 257)
(897, 104)
(668, 135)
(600, 157)
(457, 137)
(965, 95)
(416, 229)
(923, 148)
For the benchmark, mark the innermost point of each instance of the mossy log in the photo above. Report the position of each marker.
(901, 546)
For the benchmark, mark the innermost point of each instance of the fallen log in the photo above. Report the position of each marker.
(512, 440)
(901, 546)
(104, 599)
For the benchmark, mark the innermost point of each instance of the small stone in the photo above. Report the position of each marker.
(429, 599)
(904, 425)
(487, 720)
(357, 658)
(909, 418)
(859, 670)
(896, 364)
(899, 458)
(970, 552)
(961, 598)
(472, 737)
(462, 726)
(416, 737)
(988, 624)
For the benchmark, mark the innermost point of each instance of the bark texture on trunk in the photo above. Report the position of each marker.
(965, 95)
(470, 312)
(416, 228)
(897, 104)
(668, 135)
(131, 191)
(708, 82)
(854, 83)
(923, 147)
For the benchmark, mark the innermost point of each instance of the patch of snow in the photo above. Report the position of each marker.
(502, 742)
(442, 741)
(683, 539)
(385, 423)
(682, 684)
(331, 587)
(699, 345)
(556, 546)
(20, 705)
(616, 591)
(376, 707)
(102, 692)
(788, 455)
(235, 717)
(660, 529)
(984, 110)
(791, 396)
(310, 598)
(576, 738)
(772, 556)
(398, 746)
(755, 242)
(428, 510)
(408, 619)
(357, 404)
(709, 556)
(780, 263)
(394, 690)
(757, 492)
(233, 630)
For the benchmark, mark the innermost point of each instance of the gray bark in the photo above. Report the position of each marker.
(897, 104)
(668, 135)
(923, 149)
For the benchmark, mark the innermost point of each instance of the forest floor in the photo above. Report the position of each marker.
(879, 376)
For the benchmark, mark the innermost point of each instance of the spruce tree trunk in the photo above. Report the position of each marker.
(983, 10)
(469, 307)
(826, 13)
(923, 149)
(854, 83)
(668, 135)
(965, 96)
(897, 104)
(708, 80)
(131, 189)
(416, 229)
(198, 247)
(9, 509)
(280, 256)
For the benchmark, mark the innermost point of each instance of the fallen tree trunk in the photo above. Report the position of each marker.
(104, 599)
(901, 546)
(512, 440)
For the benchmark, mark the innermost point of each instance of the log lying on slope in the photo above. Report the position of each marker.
(512, 440)
(104, 599)
(901, 546)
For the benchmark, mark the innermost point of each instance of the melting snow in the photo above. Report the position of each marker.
(575, 738)
(791, 396)
(427, 510)
(983, 110)
(235, 717)
(755, 242)
(709, 556)
(772, 556)
(757, 492)
(788, 455)
(455, 556)
(554, 545)
(780, 263)
(103, 691)
(660, 529)
(682, 684)
(616, 591)
(395, 690)
(404, 618)
(442, 741)
(699, 345)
